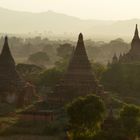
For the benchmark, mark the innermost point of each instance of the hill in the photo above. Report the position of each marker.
(60, 24)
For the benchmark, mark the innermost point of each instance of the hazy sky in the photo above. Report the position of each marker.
(86, 9)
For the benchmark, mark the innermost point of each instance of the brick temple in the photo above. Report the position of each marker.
(79, 79)
(10, 82)
(13, 89)
(133, 56)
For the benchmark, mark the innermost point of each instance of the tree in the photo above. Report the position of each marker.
(62, 65)
(130, 119)
(124, 80)
(85, 115)
(65, 50)
(49, 78)
(29, 72)
(39, 58)
(98, 69)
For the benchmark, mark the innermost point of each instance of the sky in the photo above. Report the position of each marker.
(84, 9)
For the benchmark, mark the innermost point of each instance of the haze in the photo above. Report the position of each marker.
(85, 9)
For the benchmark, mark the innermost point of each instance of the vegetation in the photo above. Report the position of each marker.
(29, 72)
(130, 119)
(39, 58)
(124, 80)
(85, 116)
(98, 70)
(48, 79)
(65, 50)
(98, 51)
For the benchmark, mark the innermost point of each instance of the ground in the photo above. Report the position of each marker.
(12, 126)
(28, 137)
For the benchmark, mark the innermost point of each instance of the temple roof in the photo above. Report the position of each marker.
(79, 69)
(136, 34)
(133, 56)
(136, 40)
(6, 57)
(80, 48)
(79, 59)
(9, 78)
(79, 79)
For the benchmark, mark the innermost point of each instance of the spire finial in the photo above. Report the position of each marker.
(6, 53)
(6, 39)
(80, 36)
(136, 35)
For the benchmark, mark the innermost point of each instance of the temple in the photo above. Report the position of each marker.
(79, 79)
(10, 82)
(133, 56)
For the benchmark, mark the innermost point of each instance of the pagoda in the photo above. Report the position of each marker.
(133, 56)
(135, 44)
(79, 79)
(10, 81)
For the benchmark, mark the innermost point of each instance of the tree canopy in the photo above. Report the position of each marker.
(39, 58)
(85, 115)
(65, 50)
(130, 120)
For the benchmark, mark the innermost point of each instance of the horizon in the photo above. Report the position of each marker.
(22, 11)
(86, 9)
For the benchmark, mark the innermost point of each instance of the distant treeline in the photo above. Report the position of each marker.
(100, 51)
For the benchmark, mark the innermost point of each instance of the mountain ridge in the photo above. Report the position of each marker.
(51, 22)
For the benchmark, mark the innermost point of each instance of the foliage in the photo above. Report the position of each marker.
(29, 72)
(130, 119)
(6, 108)
(85, 115)
(124, 127)
(98, 69)
(99, 51)
(62, 64)
(39, 58)
(123, 79)
(49, 78)
(32, 128)
(65, 51)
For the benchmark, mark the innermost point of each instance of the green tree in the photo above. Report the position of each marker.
(130, 119)
(85, 116)
(65, 50)
(48, 79)
(29, 72)
(62, 64)
(39, 58)
(124, 80)
(98, 70)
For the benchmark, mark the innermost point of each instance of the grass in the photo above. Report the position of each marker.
(13, 126)
(10, 126)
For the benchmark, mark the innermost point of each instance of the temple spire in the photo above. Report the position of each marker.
(5, 49)
(136, 35)
(80, 42)
(80, 38)
(80, 48)
(78, 79)
(6, 56)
